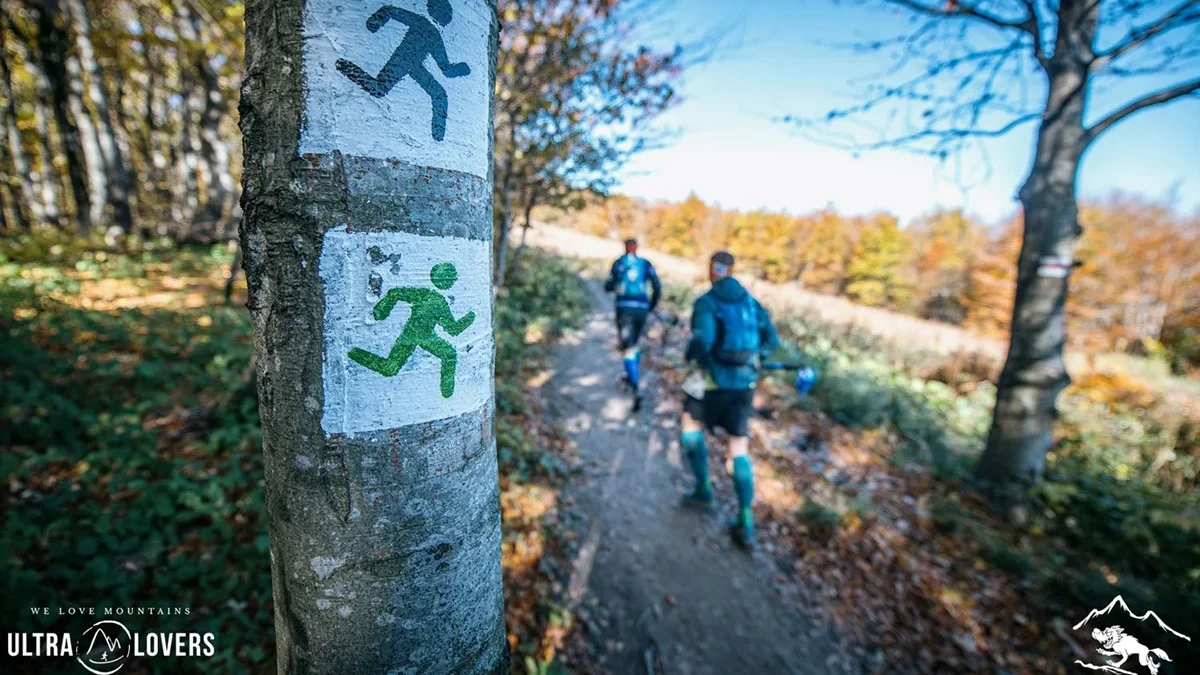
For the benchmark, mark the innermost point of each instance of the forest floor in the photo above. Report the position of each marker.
(657, 588)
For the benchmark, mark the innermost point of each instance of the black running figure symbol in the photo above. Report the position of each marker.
(421, 40)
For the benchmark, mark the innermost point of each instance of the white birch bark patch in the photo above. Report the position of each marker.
(408, 329)
(398, 79)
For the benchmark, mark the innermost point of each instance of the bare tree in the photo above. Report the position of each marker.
(973, 69)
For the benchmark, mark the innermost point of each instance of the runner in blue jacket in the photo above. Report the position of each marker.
(731, 334)
(638, 291)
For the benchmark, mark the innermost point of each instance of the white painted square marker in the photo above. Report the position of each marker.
(358, 270)
(373, 74)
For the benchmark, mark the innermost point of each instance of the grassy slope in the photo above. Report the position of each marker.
(131, 448)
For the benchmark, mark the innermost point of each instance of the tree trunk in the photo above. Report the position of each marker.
(1035, 372)
(3, 218)
(381, 477)
(502, 249)
(185, 188)
(155, 138)
(52, 46)
(25, 202)
(95, 168)
(116, 173)
(46, 177)
(503, 195)
(207, 105)
(219, 188)
(516, 259)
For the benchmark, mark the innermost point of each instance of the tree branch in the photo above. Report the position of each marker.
(1187, 12)
(1157, 98)
(1034, 27)
(962, 10)
(953, 133)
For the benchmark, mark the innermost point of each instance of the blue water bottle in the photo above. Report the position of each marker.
(806, 377)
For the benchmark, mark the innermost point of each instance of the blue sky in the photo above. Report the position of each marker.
(778, 61)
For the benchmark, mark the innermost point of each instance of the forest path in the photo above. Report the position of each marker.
(661, 589)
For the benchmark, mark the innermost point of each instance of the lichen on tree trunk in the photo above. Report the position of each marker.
(385, 527)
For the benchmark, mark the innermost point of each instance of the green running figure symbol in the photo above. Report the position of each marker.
(429, 310)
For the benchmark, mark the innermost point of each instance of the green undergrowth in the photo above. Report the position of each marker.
(1117, 513)
(543, 297)
(131, 449)
(133, 476)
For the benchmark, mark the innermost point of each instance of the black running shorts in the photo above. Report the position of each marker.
(727, 409)
(630, 323)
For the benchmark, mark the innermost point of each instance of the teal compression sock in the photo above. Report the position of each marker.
(697, 456)
(743, 484)
(631, 368)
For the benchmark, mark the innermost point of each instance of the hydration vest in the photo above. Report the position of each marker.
(631, 281)
(738, 340)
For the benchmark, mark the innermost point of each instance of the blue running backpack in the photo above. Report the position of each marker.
(738, 341)
(632, 281)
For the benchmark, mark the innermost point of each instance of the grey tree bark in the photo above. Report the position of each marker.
(9, 201)
(1035, 372)
(501, 248)
(116, 173)
(185, 156)
(385, 543)
(3, 217)
(154, 114)
(527, 223)
(46, 177)
(25, 202)
(43, 176)
(207, 104)
(51, 37)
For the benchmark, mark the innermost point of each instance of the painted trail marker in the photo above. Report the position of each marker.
(414, 86)
(1054, 266)
(407, 328)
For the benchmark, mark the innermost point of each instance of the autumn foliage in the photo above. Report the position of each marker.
(1136, 286)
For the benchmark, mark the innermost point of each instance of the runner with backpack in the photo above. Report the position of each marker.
(731, 333)
(628, 278)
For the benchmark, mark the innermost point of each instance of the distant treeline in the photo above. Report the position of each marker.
(1136, 286)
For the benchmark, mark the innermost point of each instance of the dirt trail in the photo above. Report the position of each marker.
(661, 589)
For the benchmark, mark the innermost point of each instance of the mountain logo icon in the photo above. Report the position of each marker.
(1116, 643)
(104, 648)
